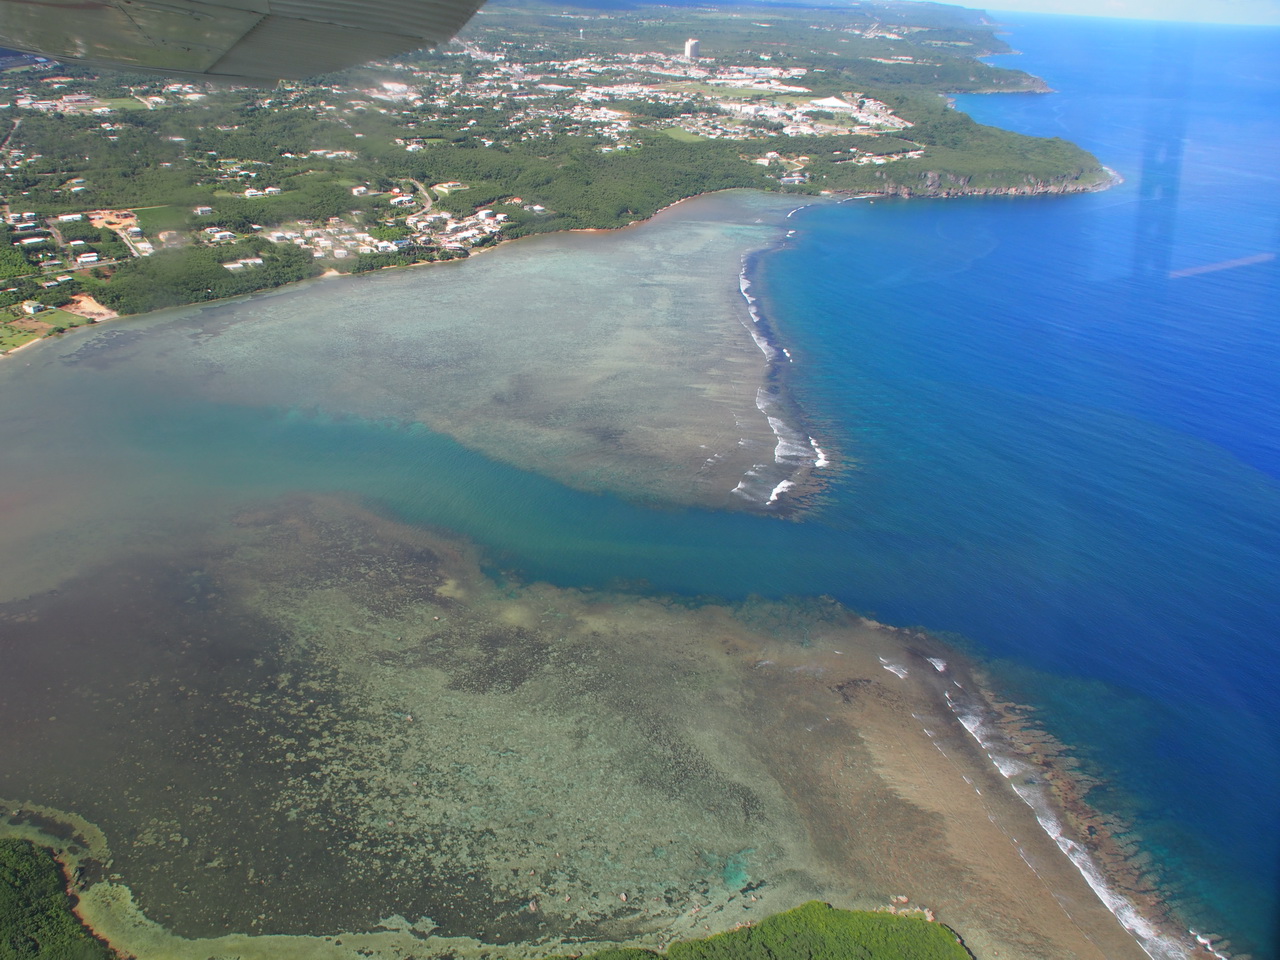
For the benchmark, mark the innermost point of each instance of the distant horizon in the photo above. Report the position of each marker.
(1234, 12)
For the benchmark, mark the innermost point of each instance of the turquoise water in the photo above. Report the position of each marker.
(1053, 433)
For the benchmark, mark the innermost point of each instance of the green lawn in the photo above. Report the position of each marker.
(125, 103)
(60, 318)
(733, 93)
(12, 336)
(154, 220)
(684, 136)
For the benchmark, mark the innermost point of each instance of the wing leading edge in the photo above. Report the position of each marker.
(229, 39)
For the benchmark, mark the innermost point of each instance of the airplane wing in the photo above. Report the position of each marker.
(251, 40)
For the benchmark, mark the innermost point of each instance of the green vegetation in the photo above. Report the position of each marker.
(36, 922)
(84, 230)
(817, 931)
(960, 156)
(583, 187)
(679, 133)
(60, 321)
(156, 220)
(11, 336)
(314, 176)
(195, 274)
(12, 261)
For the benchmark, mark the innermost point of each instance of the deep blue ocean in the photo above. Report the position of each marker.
(1065, 416)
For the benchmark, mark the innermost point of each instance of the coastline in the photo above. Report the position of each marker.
(1007, 733)
(1034, 189)
(616, 363)
(1045, 775)
(13, 351)
(1041, 771)
(800, 463)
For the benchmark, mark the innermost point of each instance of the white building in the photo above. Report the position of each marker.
(691, 48)
(832, 103)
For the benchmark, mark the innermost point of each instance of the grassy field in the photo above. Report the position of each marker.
(154, 220)
(125, 103)
(15, 336)
(684, 136)
(735, 93)
(17, 329)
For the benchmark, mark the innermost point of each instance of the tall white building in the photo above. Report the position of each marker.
(691, 49)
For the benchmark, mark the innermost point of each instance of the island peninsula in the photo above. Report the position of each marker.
(124, 193)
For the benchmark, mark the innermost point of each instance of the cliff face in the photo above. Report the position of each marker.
(933, 184)
(1031, 84)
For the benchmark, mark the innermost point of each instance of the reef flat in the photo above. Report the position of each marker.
(615, 361)
(331, 733)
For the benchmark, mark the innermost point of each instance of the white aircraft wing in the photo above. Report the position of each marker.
(232, 39)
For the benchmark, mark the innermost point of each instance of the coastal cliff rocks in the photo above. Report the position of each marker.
(934, 184)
